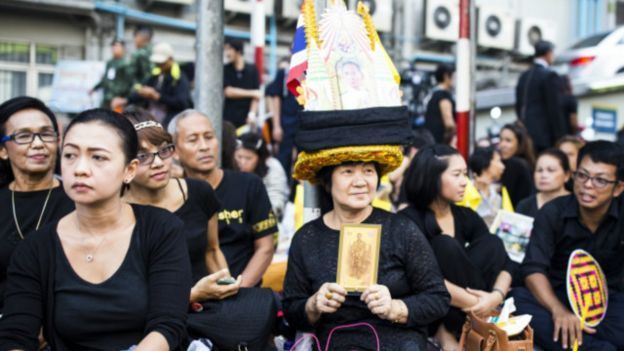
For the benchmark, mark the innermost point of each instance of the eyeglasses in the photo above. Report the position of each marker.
(22, 138)
(598, 182)
(164, 153)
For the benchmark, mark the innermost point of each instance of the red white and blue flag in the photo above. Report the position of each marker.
(298, 58)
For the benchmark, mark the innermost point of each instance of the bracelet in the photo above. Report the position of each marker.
(502, 294)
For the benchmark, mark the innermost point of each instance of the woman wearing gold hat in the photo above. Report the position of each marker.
(346, 152)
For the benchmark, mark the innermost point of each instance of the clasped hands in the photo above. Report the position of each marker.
(330, 297)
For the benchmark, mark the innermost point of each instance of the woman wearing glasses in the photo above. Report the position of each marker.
(30, 194)
(194, 202)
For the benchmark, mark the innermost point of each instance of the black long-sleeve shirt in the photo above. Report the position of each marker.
(557, 231)
(407, 267)
(30, 295)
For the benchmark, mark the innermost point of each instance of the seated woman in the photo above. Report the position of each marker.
(193, 201)
(516, 149)
(31, 195)
(252, 156)
(474, 263)
(108, 275)
(487, 169)
(410, 292)
(552, 173)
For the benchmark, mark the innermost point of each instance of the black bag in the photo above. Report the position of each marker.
(241, 322)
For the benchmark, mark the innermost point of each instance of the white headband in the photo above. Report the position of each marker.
(147, 124)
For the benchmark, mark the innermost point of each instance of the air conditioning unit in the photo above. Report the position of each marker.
(442, 20)
(246, 6)
(291, 8)
(380, 10)
(532, 30)
(496, 28)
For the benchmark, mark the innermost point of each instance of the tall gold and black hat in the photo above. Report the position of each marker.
(352, 103)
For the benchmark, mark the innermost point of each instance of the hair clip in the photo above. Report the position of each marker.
(147, 124)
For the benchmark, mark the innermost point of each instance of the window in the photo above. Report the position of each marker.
(28, 68)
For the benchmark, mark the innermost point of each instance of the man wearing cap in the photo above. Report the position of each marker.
(117, 79)
(538, 99)
(167, 91)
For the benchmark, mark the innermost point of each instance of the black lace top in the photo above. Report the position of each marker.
(407, 267)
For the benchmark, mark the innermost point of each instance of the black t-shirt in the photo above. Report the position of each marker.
(28, 207)
(433, 116)
(201, 204)
(236, 110)
(245, 216)
(117, 306)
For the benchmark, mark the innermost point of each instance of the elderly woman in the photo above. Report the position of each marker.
(30, 194)
(410, 292)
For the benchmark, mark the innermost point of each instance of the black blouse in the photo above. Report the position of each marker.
(528, 206)
(517, 178)
(407, 267)
(31, 296)
(28, 209)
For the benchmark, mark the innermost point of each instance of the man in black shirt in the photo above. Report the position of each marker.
(241, 87)
(591, 220)
(247, 224)
(440, 113)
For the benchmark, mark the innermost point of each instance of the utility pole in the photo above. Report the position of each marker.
(464, 66)
(209, 62)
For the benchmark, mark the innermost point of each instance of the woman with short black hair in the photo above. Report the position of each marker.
(552, 173)
(487, 169)
(474, 262)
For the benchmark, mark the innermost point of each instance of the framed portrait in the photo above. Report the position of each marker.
(358, 256)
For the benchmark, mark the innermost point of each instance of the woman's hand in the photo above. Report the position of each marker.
(327, 299)
(486, 302)
(377, 298)
(208, 289)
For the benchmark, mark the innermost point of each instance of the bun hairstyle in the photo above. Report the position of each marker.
(8, 109)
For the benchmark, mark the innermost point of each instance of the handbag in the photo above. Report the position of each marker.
(243, 322)
(479, 335)
(335, 329)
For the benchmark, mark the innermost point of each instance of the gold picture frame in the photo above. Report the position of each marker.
(358, 256)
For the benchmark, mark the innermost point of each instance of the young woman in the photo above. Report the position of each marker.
(252, 156)
(516, 149)
(107, 276)
(474, 262)
(487, 169)
(193, 201)
(30, 194)
(552, 172)
(410, 293)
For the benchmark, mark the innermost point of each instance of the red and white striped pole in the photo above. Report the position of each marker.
(463, 86)
(258, 34)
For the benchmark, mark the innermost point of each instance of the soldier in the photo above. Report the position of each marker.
(140, 60)
(117, 80)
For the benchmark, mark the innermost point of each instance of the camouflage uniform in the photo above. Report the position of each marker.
(117, 81)
(141, 65)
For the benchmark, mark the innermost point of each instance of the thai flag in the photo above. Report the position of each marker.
(298, 58)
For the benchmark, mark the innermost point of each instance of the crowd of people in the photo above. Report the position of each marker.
(123, 225)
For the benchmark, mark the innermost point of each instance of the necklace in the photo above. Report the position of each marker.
(90, 256)
(45, 204)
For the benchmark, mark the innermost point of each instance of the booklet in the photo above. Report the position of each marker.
(514, 229)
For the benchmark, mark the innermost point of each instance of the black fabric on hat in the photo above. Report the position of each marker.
(320, 130)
